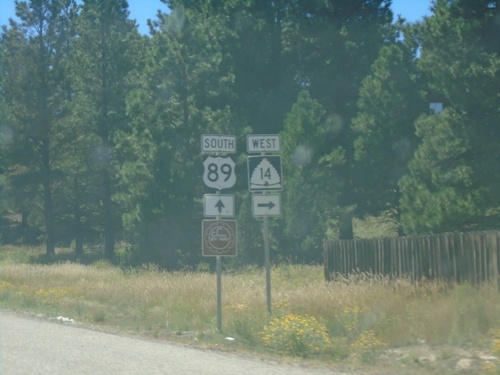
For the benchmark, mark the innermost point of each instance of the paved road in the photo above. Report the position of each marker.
(30, 346)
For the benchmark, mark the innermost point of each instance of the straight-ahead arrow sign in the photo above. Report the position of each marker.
(266, 204)
(218, 205)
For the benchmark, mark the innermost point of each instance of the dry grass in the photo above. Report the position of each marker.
(395, 312)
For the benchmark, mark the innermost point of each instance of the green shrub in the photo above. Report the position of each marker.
(368, 345)
(491, 366)
(296, 335)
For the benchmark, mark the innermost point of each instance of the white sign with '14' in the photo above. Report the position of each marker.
(264, 173)
(219, 172)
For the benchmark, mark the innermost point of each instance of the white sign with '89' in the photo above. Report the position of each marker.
(219, 172)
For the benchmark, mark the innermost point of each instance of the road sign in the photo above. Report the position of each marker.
(264, 173)
(219, 172)
(266, 205)
(218, 237)
(218, 205)
(218, 143)
(263, 143)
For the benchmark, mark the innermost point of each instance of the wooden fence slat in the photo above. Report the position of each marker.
(474, 260)
(484, 256)
(426, 258)
(326, 254)
(439, 258)
(380, 252)
(493, 260)
(413, 265)
(461, 257)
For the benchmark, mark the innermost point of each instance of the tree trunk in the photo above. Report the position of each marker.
(47, 203)
(346, 230)
(78, 220)
(109, 225)
(49, 220)
(26, 237)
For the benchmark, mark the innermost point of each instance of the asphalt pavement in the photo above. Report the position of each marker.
(34, 346)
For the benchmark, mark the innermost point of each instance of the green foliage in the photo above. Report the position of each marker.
(100, 126)
(296, 335)
(389, 102)
(175, 100)
(34, 95)
(439, 193)
(368, 345)
(309, 166)
(452, 184)
(103, 59)
(492, 367)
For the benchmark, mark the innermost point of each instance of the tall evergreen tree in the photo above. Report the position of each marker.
(453, 179)
(280, 47)
(4, 142)
(338, 42)
(103, 59)
(255, 39)
(34, 98)
(181, 93)
(312, 187)
(389, 103)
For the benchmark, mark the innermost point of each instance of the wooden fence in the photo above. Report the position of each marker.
(456, 257)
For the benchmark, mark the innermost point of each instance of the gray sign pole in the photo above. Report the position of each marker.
(264, 144)
(218, 266)
(267, 263)
(218, 270)
(219, 143)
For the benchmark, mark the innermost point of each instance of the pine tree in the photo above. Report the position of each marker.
(180, 93)
(453, 179)
(103, 59)
(336, 44)
(34, 98)
(312, 186)
(389, 103)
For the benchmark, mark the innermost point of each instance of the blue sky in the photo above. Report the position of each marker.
(141, 10)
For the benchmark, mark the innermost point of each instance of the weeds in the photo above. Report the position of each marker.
(368, 345)
(358, 316)
(492, 366)
(296, 335)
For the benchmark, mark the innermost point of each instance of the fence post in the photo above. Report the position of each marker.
(493, 258)
(472, 240)
(326, 254)
(439, 265)
(484, 257)
(461, 258)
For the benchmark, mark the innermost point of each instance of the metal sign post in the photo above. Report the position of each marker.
(219, 239)
(265, 233)
(218, 236)
(265, 175)
(218, 271)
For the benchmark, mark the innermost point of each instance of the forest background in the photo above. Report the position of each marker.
(100, 126)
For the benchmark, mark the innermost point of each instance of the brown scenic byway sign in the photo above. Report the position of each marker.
(218, 237)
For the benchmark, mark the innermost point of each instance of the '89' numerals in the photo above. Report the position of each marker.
(219, 172)
(213, 172)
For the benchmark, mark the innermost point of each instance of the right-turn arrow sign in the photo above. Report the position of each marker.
(269, 205)
(266, 205)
